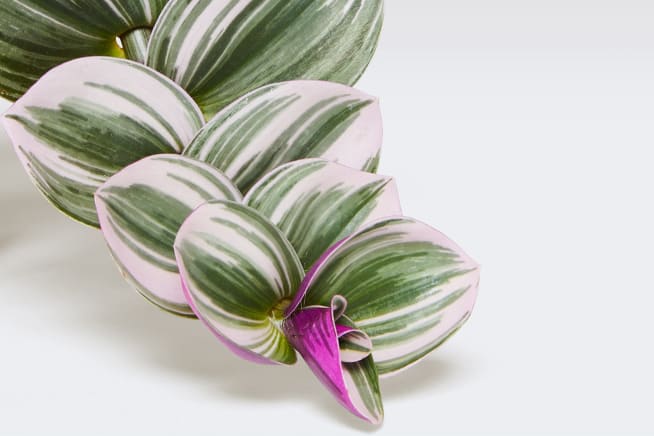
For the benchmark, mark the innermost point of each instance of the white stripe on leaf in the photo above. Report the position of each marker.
(140, 211)
(37, 35)
(288, 121)
(240, 273)
(408, 287)
(229, 48)
(89, 118)
(316, 203)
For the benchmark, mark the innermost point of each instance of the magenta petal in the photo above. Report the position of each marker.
(313, 333)
(234, 348)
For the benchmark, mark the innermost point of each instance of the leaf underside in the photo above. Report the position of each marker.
(355, 385)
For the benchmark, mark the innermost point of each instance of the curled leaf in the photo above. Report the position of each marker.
(350, 376)
(289, 121)
(89, 118)
(219, 50)
(353, 344)
(140, 211)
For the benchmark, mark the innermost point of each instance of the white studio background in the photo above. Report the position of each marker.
(522, 129)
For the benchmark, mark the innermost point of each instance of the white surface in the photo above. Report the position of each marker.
(523, 130)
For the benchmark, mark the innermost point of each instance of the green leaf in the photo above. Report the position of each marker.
(407, 286)
(240, 273)
(141, 209)
(37, 35)
(316, 203)
(220, 50)
(89, 118)
(288, 121)
(362, 381)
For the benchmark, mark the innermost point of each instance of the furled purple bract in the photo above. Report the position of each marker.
(328, 348)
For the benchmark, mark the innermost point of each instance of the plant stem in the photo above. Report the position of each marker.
(135, 44)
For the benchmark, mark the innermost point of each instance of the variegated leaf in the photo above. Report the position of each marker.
(352, 378)
(89, 118)
(240, 273)
(288, 121)
(219, 50)
(407, 286)
(37, 35)
(140, 211)
(316, 203)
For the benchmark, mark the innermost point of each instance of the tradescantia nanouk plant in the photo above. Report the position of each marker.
(230, 166)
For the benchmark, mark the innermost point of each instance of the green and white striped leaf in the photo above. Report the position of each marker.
(140, 211)
(240, 273)
(288, 121)
(37, 35)
(89, 118)
(316, 203)
(408, 287)
(362, 381)
(219, 50)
